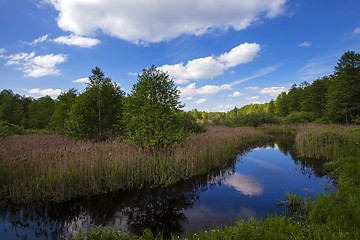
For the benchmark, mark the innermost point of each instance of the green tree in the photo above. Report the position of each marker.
(343, 99)
(61, 110)
(96, 111)
(282, 105)
(11, 107)
(151, 113)
(39, 112)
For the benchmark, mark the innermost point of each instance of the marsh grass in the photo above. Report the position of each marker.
(332, 215)
(55, 168)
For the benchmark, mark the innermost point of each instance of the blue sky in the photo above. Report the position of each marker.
(221, 54)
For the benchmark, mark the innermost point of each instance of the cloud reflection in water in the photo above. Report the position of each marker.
(246, 184)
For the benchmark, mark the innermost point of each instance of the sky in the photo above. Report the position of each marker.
(220, 53)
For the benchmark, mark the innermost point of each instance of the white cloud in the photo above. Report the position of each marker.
(211, 66)
(223, 108)
(235, 94)
(357, 30)
(202, 100)
(252, 88)
(158, 20)
(253, 98)
(305, 44)
(191, 90)
(36, 66)
(243, 53)
(132, 74)
(76, 40)
(81, 80)
(2, 51)
(38, 40)
(273, 91)
(246, 184)
(44, 92)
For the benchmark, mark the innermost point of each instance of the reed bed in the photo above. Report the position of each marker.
(54, 168)
(327, 141)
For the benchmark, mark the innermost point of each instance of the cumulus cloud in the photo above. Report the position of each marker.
(246, 184)
(305, 44)
(191, 90)
(211, 66)
(357, 30)
(36, 66)
(273, 91)
(75, 40)
(158, 20)
(81, 80)
(43, 92)
(235, 94)
(202, 100)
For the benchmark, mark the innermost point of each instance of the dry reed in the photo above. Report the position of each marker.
(55, 168)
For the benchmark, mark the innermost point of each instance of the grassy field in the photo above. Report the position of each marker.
(40, 168)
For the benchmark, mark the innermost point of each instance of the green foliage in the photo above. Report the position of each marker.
(61, 110)
(8, 129)
(39, 112)
(299, 117)
(95, 112)
(12, 107)
(253, 120)
(151, 113)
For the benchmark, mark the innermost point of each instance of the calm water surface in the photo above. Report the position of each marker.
(250, 187)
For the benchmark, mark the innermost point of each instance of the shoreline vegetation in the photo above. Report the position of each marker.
(41, 168)
(55, 168)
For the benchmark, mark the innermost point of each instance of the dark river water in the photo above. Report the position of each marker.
(251, 186)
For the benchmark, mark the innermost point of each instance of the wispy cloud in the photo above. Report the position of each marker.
(260, 73)
(75, 40)
(201, 100)
(357, 30)
(273, 91)
(38, 40)
(305, 44)
(81, 80)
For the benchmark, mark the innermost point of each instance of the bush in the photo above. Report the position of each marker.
(253, 120)
(299, 117)
(8, 129)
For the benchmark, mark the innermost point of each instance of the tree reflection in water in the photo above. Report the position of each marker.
(161, 209)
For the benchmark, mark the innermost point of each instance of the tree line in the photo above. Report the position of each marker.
(150, 115)
(330, 99)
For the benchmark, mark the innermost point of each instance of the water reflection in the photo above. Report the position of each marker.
(246, 184)
(221, 197)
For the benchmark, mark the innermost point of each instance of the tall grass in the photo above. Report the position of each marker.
(55, 168)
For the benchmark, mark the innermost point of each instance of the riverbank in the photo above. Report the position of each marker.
(45, 168)
(333, 215)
